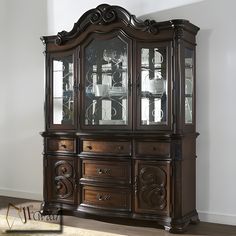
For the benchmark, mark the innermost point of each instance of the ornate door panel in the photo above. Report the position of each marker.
(106, 93)
(154, 86)
(152, 187)
(62, 179)
(62, 96)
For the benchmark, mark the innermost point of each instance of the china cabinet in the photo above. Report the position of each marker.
(120, 133)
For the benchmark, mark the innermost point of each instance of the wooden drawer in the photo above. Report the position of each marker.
(109, 171)
(61, 145)
(116, 199)
(106, 147)
(152, 148)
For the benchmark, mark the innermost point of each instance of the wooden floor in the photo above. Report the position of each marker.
(128, 228)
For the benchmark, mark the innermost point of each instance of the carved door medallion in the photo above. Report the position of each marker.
(152, 187)
(62, 175)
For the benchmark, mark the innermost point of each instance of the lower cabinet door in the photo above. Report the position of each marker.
(61, 179)
(152, 187)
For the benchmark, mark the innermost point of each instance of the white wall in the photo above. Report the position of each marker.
(21, 91)
(216, 113)
(21, 96)
(59, 19)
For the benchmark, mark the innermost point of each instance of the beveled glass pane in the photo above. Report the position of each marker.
(153, 86)
(63, 95)
(188, 73)
(106, 86)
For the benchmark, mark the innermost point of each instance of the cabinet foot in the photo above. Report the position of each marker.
(194, 220)
(167, 228)
(180, 225)
(47, 210)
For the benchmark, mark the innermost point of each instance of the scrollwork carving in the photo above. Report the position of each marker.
(106, 14)
(179, 32)
(103, 14)
(63, 168)
(152, 190)
(64, 187)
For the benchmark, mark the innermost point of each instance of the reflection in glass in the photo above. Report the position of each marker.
(106, 86)
(63, 96)
(153, 86)
(188, 55)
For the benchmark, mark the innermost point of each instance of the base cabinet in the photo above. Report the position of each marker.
(120, 111)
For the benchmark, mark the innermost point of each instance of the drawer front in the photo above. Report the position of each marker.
(104, 170)
(152, 148)
(61, 145)
(106, 147)
(117, 199)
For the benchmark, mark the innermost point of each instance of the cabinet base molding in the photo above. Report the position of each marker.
(170, 225)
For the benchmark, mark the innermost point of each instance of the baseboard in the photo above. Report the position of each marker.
(218, 218)
(21, 194)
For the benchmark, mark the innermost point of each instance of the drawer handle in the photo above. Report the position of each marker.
(63, 146)
(89, 147)
(105, 197)
(103, 171)
(154, 148)
(136, 184)
(120, 147)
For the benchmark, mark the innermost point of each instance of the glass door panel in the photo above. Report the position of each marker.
(106, 82)
(153, 92)
(63, 93)
(189, 82)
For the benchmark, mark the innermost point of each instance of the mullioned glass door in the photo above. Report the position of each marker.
(106, 83)
(62, 94)
(153, 86)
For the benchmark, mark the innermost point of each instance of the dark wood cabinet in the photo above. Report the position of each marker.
(120, 112)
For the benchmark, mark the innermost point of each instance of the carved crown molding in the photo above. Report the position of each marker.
(105, 14)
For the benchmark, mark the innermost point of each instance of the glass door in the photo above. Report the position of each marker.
(62, 96)
(153, 86)
(189, 84)
(106, 85)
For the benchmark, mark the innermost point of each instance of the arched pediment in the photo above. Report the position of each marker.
(106, 14)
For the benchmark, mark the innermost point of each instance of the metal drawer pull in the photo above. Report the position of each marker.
(103, 171)
(63, 146)
(89, 147)
(136, 184)
(105, 197)
(120, 147)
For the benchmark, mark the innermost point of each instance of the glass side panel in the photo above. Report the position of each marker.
(106, 86)
(189, 82)
(63, 94)
(153, 86)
